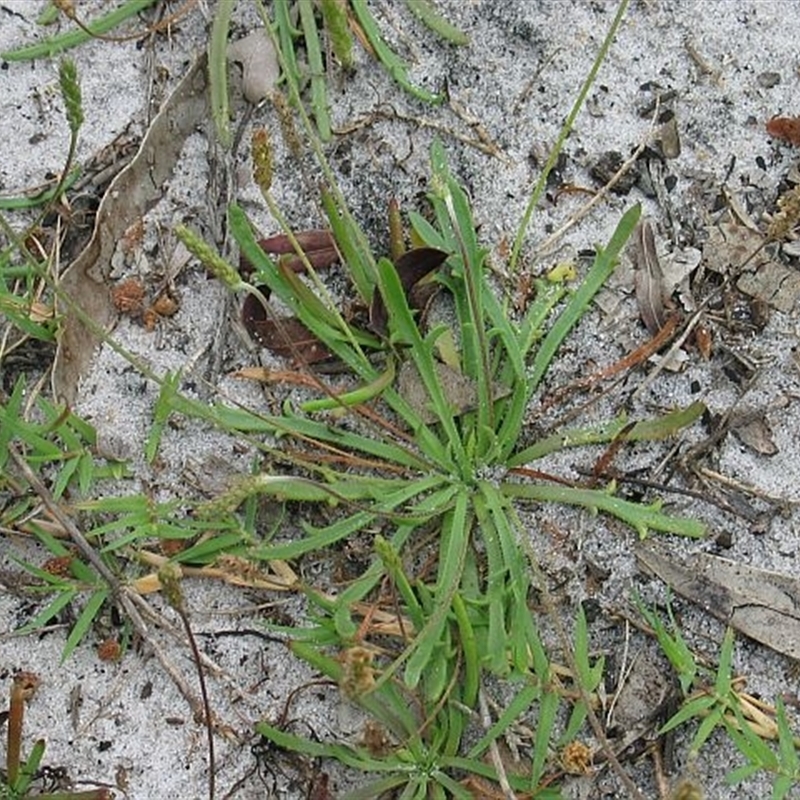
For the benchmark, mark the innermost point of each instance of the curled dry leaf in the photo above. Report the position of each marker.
(318, 246)
(288, 337)
(129, 197)
(648, 279)
(756, 434)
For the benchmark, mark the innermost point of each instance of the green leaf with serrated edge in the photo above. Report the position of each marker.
(436, 22)
(9, 415)
(427, 233)
(645, 430)
(380, 788)
(641, 518)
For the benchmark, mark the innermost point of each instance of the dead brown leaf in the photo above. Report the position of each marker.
(648, 279)
(761, 604)
(131, 194)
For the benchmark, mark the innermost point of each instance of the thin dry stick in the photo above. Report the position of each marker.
(678, 343)
(549, 243)
(68, 9)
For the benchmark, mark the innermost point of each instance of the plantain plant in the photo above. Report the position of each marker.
(437, 484)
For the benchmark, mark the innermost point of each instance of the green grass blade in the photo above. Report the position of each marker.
(604, 264)
(455, 537)
(50, 47)
(644, 430)
(393, 65)
(40, 199)
(286, 34)
(640, 517)
(518, 706)
(84, 621)
(218, 70)
(430, 17)
(552, 159)
(319, 95)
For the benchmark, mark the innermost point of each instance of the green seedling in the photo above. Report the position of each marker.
(723, 705)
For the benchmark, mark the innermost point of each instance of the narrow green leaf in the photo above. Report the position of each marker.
(393, 65)
(319, 95)
(48, 48)
(640, 517)
(436, 22)
(334, 15)
(218, 70)
(84, 621)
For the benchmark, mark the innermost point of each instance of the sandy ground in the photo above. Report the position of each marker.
(731, 67)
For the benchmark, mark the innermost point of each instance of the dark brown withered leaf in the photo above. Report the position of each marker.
(411, 268)
(318, 245)
(286, 337)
